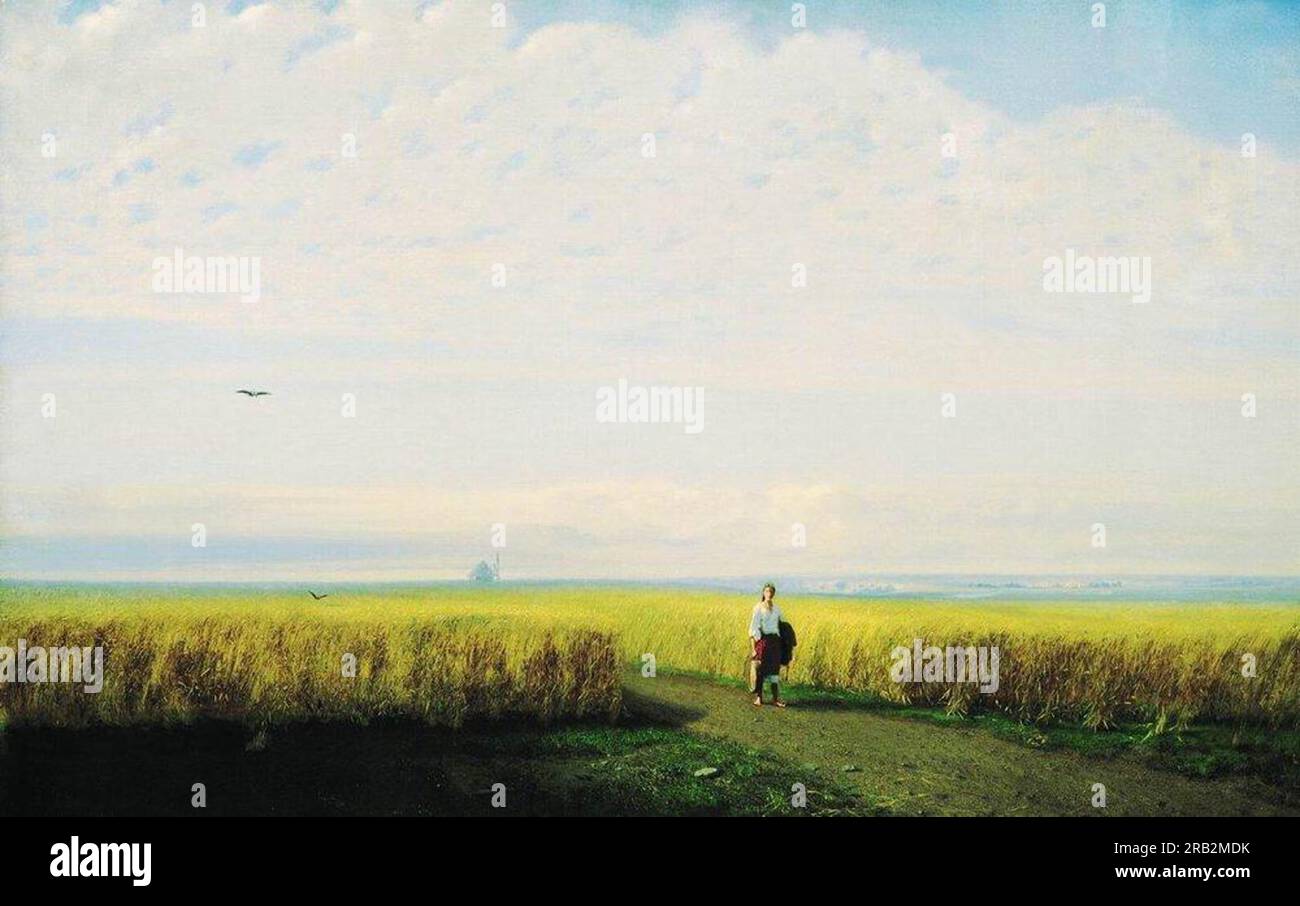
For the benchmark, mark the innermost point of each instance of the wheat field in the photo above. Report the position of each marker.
(449, 653)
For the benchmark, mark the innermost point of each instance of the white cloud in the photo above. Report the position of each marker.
(478, 146)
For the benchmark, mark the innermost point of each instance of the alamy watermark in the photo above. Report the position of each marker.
(36, 665)
(75, 859)
(953, 664)
(1087, 274)
(182, 274)
(626, 403)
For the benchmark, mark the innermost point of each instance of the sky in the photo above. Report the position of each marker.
(828, 223)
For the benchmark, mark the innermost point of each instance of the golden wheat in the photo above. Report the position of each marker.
(272, 662)
(447, 653)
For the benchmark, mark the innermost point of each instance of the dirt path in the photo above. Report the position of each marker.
(914, 768)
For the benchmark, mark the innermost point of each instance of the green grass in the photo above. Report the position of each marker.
(653, 771)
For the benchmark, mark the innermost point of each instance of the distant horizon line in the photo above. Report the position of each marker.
(642, 580)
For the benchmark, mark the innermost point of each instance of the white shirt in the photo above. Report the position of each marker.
(764, 621)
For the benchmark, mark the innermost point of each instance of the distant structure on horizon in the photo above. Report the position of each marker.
(486, 572)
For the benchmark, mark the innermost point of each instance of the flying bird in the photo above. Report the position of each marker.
(254, 392)
(316, 596)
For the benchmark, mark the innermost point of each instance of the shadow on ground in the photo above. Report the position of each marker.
(642, 766)
(638, 706)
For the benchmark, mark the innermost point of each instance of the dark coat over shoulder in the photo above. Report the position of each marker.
(787, 642)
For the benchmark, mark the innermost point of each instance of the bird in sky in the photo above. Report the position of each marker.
(254, 392)
(316, 596)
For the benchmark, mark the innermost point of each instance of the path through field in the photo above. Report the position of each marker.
(913, 767)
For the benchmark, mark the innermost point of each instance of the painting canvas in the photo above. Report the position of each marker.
(586, 407)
